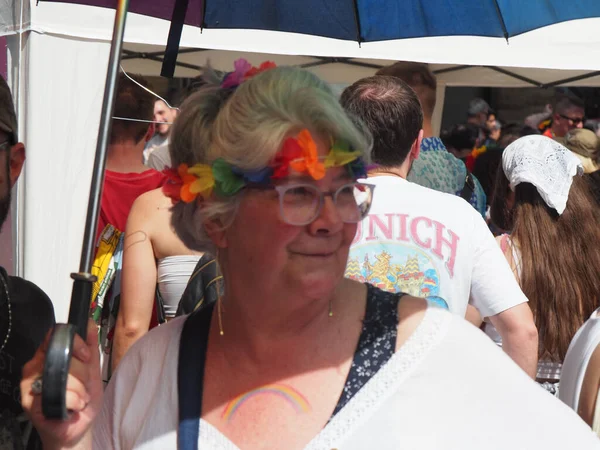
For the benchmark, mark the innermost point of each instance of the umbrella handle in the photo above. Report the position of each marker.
(56, 371)
(60, 348)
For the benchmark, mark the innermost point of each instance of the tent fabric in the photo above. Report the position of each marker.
(372, 20)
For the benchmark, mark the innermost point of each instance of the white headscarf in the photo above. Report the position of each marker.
(546, 164)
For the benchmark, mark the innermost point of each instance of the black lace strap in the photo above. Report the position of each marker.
(377, 342)
(190, 375)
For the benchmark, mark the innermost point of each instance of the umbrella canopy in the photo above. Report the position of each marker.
(370, 20)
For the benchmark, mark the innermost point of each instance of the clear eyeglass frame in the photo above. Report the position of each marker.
(301, 203)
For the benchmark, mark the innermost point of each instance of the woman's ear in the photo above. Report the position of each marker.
(216, 232)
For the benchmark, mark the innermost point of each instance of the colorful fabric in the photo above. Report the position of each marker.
(440, 170)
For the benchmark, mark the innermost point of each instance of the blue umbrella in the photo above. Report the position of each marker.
(360, 20)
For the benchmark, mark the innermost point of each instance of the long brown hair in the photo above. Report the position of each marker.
(560, 259)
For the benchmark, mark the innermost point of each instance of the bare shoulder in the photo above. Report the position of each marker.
(411, 311)
(151, 200)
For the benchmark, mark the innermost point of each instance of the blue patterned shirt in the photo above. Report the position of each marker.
(438, 169)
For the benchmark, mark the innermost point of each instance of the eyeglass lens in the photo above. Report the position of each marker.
(301, 204)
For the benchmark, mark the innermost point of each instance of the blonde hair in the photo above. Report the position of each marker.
(247, 131)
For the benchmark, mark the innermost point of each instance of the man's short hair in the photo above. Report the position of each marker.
(564, 102)
(391, 111)
(132, 102)
(419, 78)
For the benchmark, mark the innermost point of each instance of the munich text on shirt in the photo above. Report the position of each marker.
(425, 233)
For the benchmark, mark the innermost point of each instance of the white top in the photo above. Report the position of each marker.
(427, 243)
(414, 402)
(577, 359)
(173, 275)
(154, 143)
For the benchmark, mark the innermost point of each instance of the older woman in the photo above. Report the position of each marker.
(294, 355)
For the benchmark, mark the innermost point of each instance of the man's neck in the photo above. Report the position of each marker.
(400, 172)
(427, 128)
(125, 157)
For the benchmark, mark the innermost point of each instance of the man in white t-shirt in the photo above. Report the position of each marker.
(424, 242)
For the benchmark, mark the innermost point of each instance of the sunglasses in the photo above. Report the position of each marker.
(574, 120)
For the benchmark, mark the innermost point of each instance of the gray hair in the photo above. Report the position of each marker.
(247, 130)
(478, 106)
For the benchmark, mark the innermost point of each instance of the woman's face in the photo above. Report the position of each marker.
(262, 248)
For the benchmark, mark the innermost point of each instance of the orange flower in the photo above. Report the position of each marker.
(309, 163)
(256, 70)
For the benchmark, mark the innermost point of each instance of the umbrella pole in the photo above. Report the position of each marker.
(58, 355)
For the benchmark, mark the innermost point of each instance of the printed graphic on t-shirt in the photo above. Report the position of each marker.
(398, 268)
(402, 253)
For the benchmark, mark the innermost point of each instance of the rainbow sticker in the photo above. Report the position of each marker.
(288, 393)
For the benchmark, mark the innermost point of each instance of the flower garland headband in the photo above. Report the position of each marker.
(297, 153)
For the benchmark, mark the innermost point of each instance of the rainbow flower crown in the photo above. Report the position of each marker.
(298, 154)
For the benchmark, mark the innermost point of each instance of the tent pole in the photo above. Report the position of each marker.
(59, 352)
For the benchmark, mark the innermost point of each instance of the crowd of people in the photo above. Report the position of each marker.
(354, 281)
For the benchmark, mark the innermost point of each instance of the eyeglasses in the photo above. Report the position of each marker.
(300, 204)
(575, 120)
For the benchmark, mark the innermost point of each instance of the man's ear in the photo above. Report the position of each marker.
(17, 159)
(216, 232)
(415, 151)
(150, 132)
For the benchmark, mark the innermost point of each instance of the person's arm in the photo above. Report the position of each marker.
(138, 283)
(495, 292)
(519, 336)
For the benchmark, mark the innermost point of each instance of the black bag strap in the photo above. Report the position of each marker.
(190, 375)
(161, 315)
(468, 188)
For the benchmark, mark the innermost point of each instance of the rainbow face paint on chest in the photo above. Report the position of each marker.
(294, 398)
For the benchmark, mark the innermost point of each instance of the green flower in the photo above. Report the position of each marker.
(227, 183)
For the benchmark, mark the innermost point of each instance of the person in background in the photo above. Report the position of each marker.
(294, 355)
(26, 312)
(126, 177)
(164, 116)
(153, 253)
(553, 222)
(478, 112)
(435, 168)
(567, 114)
(424, 242)
(586, 146)
(493, 132)
(462, 139)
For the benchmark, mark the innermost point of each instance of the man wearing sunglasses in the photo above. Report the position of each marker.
(26, 313)
(568, 115)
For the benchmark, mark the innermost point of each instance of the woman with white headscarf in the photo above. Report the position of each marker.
(552, 247)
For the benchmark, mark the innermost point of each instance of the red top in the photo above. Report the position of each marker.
(120, 191)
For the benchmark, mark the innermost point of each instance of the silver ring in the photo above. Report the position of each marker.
(36, 386)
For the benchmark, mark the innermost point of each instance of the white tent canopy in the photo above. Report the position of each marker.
(58, 55)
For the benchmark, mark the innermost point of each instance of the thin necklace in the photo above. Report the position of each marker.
(9, 312)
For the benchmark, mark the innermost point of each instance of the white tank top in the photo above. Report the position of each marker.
(173, 275)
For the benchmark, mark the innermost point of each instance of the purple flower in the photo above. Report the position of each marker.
(235, 78)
